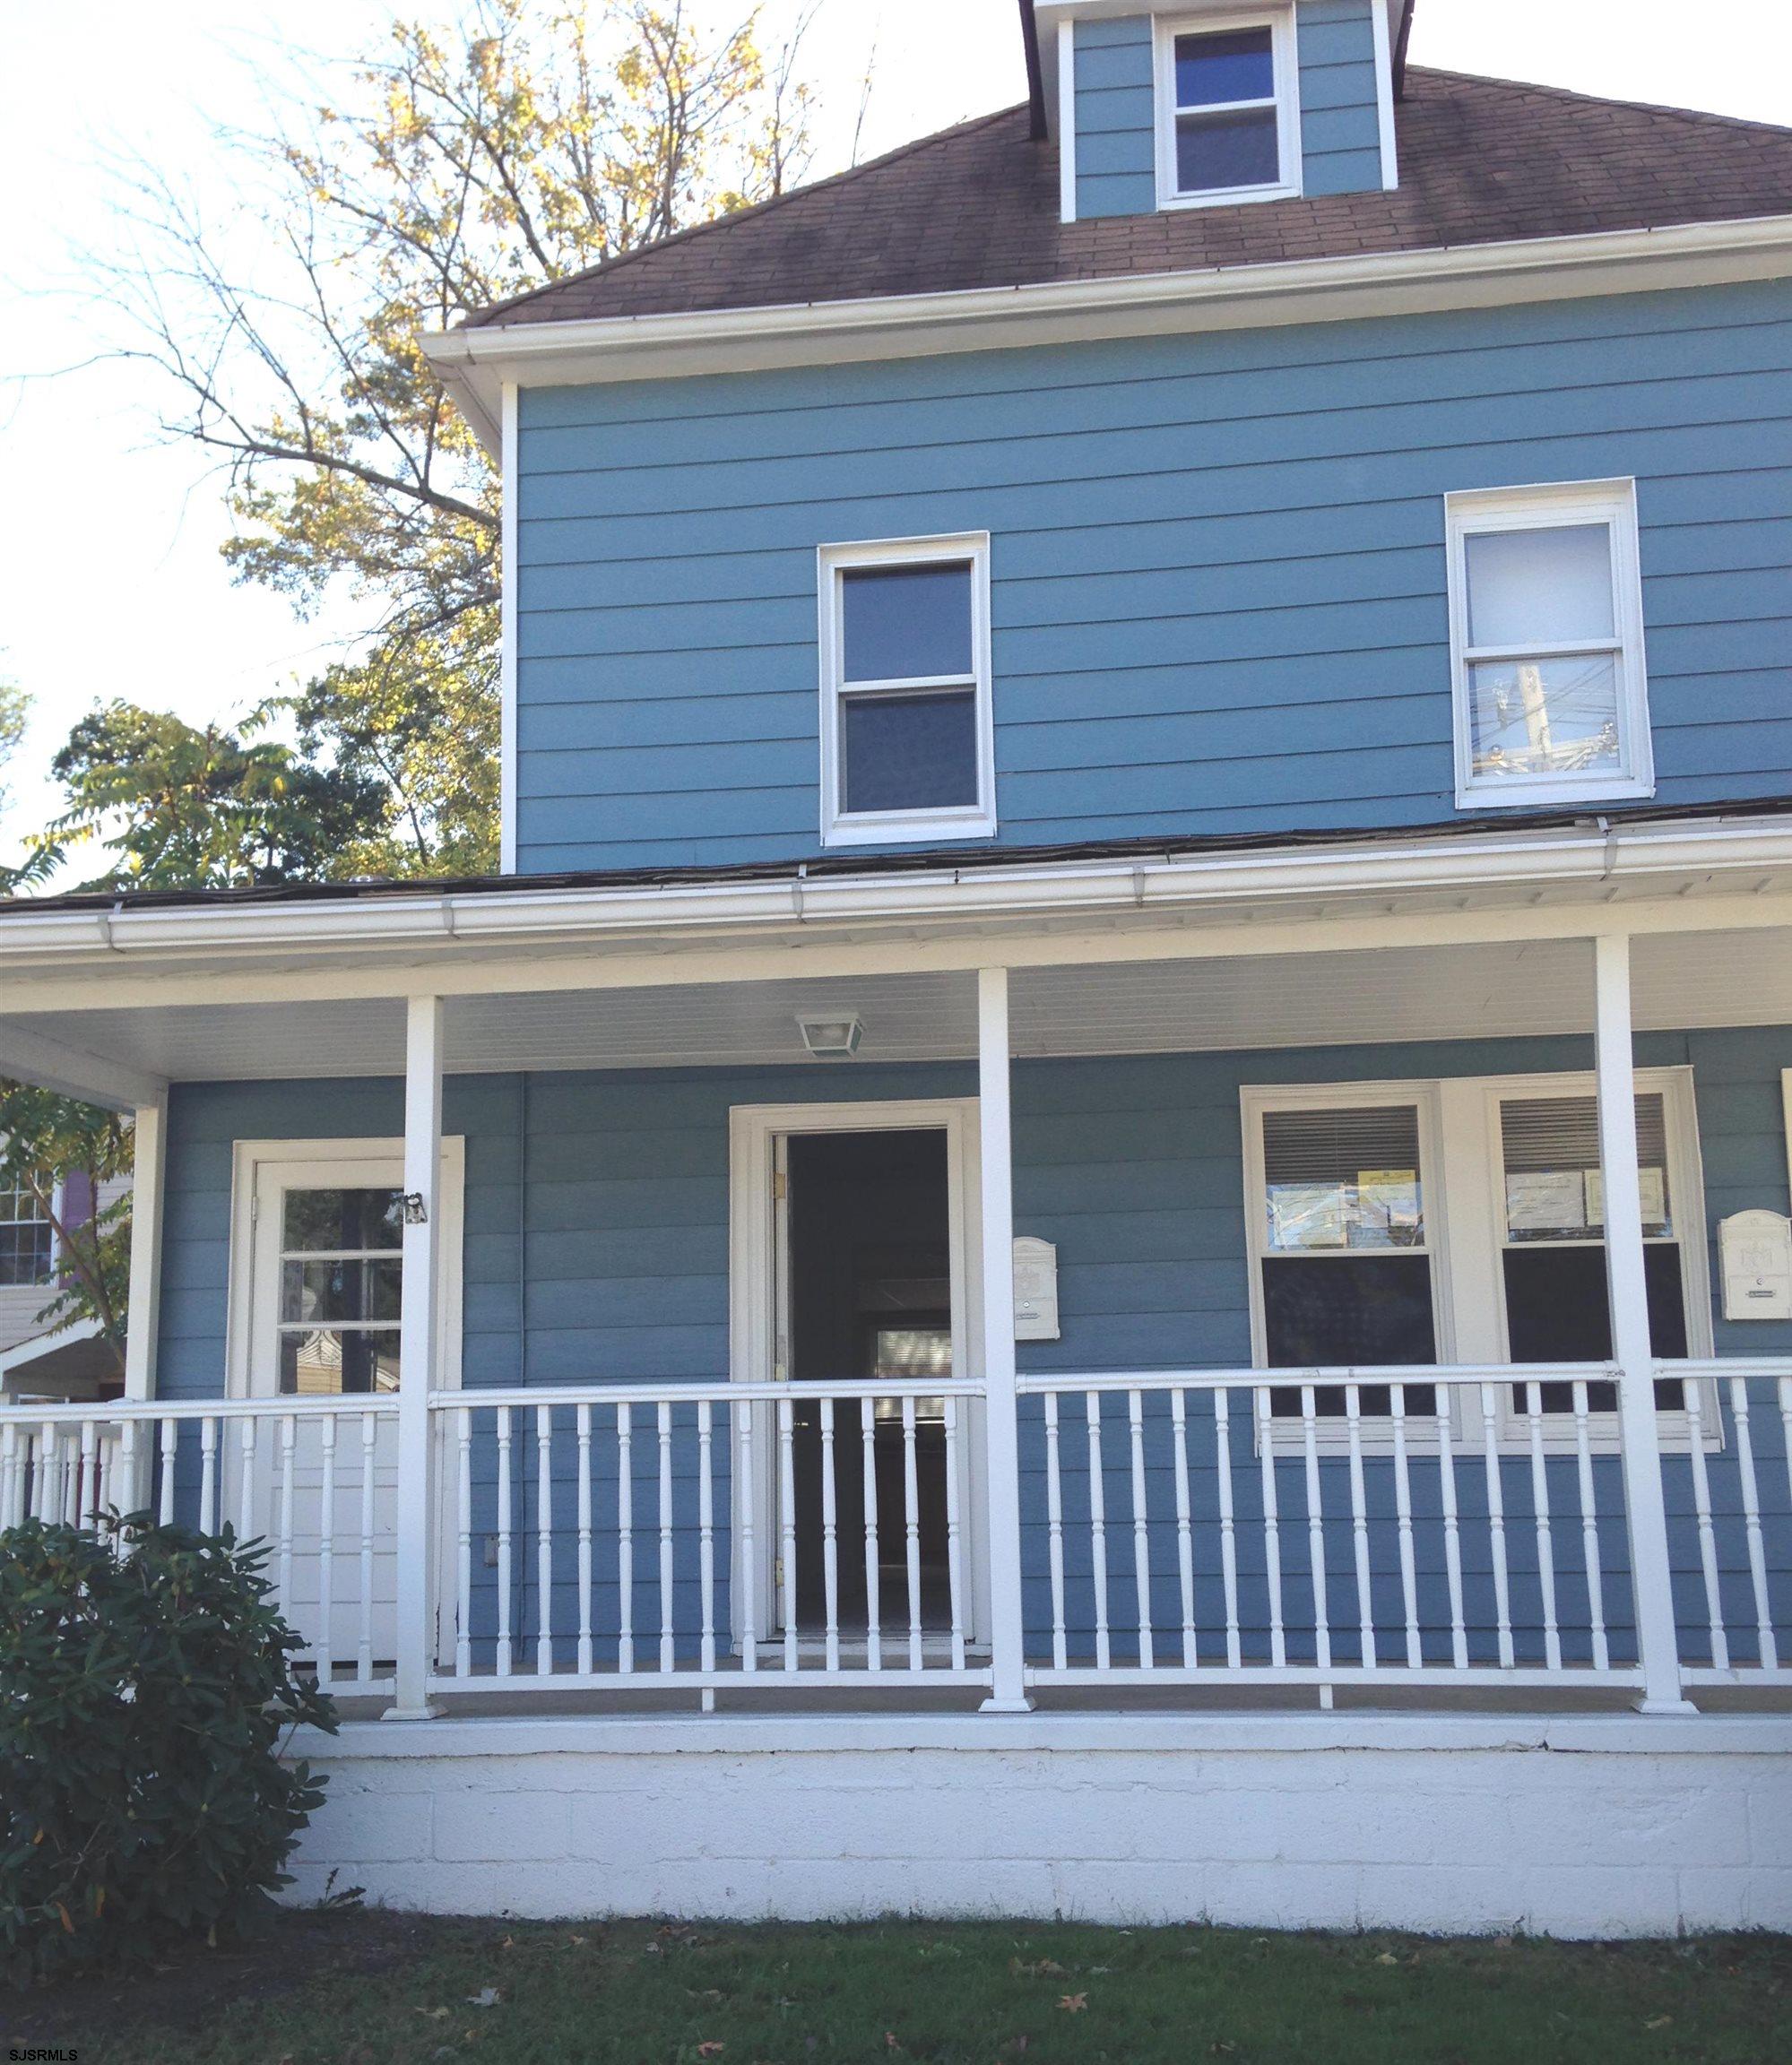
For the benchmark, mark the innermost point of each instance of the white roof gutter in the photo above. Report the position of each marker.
(477, 363)
(1600, 859)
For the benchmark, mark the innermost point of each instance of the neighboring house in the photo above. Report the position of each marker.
(1098, 1219)
(35, 1361)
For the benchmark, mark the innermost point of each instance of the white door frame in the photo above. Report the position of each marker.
(254, 1282)
(249, 1160)
(754, 1223)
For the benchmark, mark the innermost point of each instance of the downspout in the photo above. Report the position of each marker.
(1038, 127)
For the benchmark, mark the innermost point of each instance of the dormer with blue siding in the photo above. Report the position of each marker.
(1216, 106)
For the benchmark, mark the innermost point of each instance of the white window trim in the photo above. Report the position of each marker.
(48, 1280)
(1280, 23)
(1551, 508)
(1786, 1101)
(1462, 1170)
(1686, 1199)
(1332, 1437)
(976, 820)
(318, 1159)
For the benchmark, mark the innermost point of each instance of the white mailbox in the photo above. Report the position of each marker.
(1035, 1289)
(1755, 1251)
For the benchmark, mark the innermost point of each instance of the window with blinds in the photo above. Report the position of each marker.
(1554, 1260)
(1347, 1270)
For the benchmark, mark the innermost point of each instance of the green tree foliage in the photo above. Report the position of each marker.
(145, 1683)
(176, 807)
(450, 168)
(44, 1137)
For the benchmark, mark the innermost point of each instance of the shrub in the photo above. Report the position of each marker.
(145, 1681)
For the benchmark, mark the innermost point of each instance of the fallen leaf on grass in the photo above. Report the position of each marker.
(487, 1997)
(710, 2049)
(1387, 1958)
(1661, 2022)
(571, 1941)
(435, 2014)
(1073, 2003)
(1046, 1968)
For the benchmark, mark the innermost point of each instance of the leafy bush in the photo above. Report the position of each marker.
(145, 1681)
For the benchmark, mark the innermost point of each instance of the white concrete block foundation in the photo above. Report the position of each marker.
(1581, 1827)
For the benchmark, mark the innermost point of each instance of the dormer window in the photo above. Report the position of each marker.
(907, 737)
(1228, 125)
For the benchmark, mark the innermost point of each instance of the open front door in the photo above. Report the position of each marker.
(851, 1227)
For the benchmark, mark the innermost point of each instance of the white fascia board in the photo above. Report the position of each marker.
(23, 1354)
(1744, 854)
(476, 363)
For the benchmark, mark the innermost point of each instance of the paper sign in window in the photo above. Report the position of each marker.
(1653, 1184)
(1309, 1215)
(1386, 1207)
(1545, 1201)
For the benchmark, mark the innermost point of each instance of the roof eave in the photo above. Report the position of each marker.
(477, 363)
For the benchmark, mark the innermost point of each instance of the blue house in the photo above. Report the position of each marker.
(1098, 1219)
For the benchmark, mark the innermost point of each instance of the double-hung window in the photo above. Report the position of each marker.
(26, 1244)
(1462, 1221)
(1553, 1240)
(1552, 700)
(1228, 121)
(1344, 1236)
(907, 733)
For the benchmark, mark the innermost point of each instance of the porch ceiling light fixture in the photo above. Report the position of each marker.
(832, 1038)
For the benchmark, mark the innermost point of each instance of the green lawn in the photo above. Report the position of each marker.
(369, 1989)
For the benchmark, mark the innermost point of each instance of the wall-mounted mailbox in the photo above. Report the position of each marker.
(1036, 1290)
(1754, 1252)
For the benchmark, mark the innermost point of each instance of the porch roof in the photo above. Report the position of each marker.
(1131, 952)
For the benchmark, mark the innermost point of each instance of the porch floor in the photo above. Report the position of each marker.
(1156, 1701)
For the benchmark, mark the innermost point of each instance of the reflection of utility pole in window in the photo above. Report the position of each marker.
(1535, 708)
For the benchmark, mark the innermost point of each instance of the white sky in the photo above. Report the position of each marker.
(110, 578)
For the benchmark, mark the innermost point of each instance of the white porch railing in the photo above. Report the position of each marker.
(311, 1477)
(1467, 1527)
(1323, 1527)
(1744, 1488)
(636, 1537)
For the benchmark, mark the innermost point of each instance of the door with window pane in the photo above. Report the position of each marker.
(327, 1274)
(1553, 1248)
(1345, 1245)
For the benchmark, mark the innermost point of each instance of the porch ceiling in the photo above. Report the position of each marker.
(1681, 979)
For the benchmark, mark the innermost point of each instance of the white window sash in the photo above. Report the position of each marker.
(1558, 506)
(1467, 1272)
(1280, 23)
(839, 826)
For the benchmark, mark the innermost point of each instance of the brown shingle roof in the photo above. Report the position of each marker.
(1481, 161)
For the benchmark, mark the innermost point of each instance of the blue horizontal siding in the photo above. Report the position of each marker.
(1116, 147)
(1185, 530)
(1340, 123)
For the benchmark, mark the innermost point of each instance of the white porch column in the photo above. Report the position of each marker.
(419, 1355)
(142, 1310)
(1656, 1638)
(1001, 1445)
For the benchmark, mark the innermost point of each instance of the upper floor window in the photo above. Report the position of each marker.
(1546, 603)
(27, 1242)
(907, 737)
(1228, 125)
